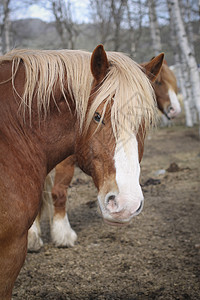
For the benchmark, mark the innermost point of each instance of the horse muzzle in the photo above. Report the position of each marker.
(172, 112)
(120, 209)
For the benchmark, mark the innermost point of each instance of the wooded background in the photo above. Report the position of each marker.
(140, 28)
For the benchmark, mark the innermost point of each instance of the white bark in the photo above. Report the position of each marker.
(154, 28)
(180, 72)
(189, 27)
(187, 52)
(187, 94)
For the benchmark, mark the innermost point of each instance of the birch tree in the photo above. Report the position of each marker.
(189, 26)
(154, 27)
(186, 51)
(181, 73)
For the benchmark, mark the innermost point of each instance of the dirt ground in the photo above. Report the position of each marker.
(157, 256)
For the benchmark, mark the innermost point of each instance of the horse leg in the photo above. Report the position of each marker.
(13, 252)
(15, 220)
(62, 233)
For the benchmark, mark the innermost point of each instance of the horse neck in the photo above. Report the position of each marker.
(59, 134)
(42, 142)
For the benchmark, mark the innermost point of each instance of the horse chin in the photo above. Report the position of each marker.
(173, 115)
(121, 216)
(115, 219)
(117, 224)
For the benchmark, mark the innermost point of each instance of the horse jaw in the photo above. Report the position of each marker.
(121, 204)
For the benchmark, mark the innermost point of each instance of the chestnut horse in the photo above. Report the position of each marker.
(166, 90)
(165, 87)
(55, 104)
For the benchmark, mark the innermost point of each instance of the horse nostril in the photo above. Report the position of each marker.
(110, 198)
(111, 202)
(171, 108)
(139, 208)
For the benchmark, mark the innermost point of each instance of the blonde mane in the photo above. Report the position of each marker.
(126, 87)
(45, 69)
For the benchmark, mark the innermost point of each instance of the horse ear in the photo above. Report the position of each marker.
(153, 67)
(99, 63)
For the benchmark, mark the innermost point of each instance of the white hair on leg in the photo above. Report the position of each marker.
(34, 240)
(61, 232)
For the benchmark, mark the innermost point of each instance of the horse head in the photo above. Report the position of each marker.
(112, 146)
(166, 89)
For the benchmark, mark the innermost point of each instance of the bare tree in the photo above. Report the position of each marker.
(4, 26)
(135, 14)
(154, 27)
(65, 25)
(101, 15)
(108, 17)
(118, 9)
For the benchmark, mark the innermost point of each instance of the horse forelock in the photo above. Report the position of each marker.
(131, 96)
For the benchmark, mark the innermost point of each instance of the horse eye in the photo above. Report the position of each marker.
(158, 82)
(97, 118)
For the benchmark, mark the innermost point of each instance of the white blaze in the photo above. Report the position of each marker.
(127, 175)
(174, 103)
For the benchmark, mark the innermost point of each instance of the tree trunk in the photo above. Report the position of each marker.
(117, 8)
(154, 28)
(7, 34)
(187, 53)
(101, 13)
(187, 94)
(133, 34)
(189, 27)
(1, 41)
(6, 25)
